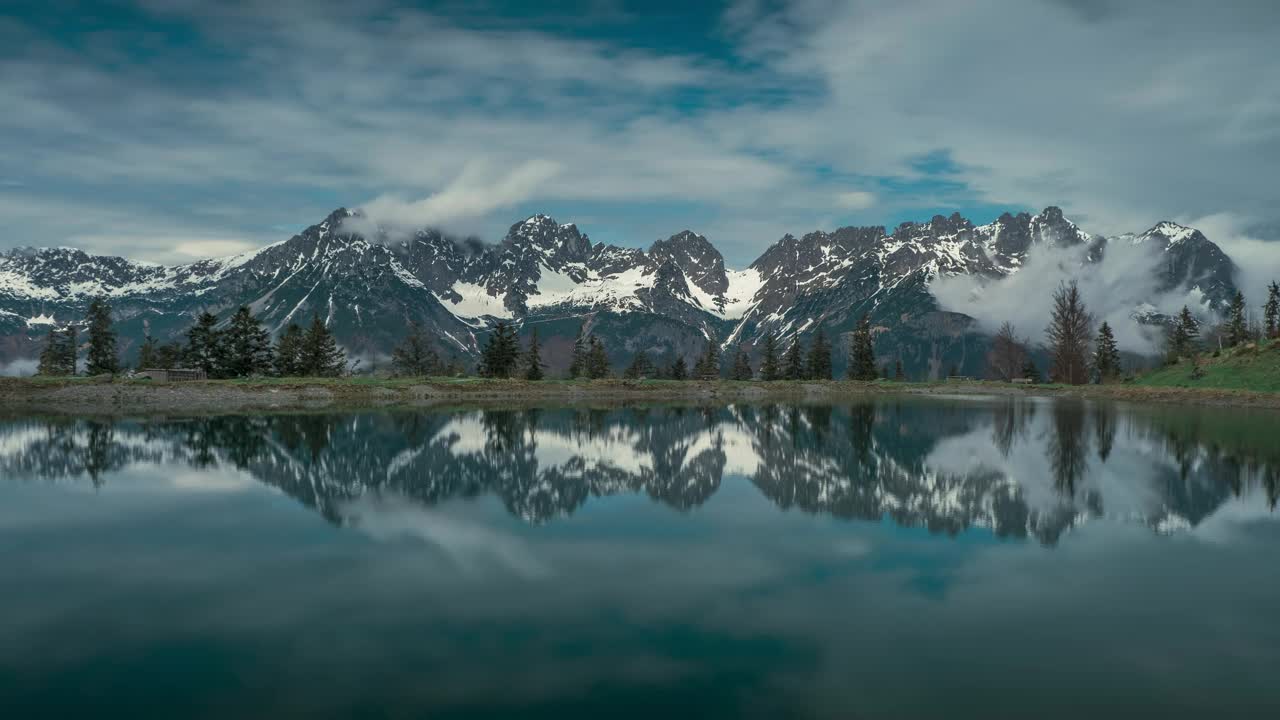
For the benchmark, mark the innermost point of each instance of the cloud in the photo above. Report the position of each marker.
(477, 191)
(1257, 260)
(855, 200)
(22, 367)
(1112, 291)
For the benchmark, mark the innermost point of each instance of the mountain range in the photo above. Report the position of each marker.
(367, 284)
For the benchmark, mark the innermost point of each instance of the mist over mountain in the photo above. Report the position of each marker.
(934, 291)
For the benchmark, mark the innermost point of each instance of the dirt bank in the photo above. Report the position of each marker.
(85, 395)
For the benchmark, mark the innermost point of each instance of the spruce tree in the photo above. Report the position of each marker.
(770, 368)
(679, 370)
(793, 361)
(1184, 335)
(246, 346)
(1031, 372)
(147, 353)
(741, 366)
(819, 364)
(1237, 330)
(1271, 311)
(708, 366)
(288, 354)
(414, 356)
(501, 353)
(578, 364)
(204, 349)
(641, 367)
(320, 355)
(1069, 333)
(1106, 357)
(103, 357)
(533, 365)
(899, 373)
(71, 350)
(597, 363)
(862, 354)
(53, 358)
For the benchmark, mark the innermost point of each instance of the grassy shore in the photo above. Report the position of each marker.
(1249, 368)
(123, 395)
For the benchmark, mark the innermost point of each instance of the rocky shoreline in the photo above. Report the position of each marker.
(98, 396)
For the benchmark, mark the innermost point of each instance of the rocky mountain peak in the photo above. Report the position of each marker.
(696, 257)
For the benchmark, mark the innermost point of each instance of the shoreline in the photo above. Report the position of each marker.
(103, 396)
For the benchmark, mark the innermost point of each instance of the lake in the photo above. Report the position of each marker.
(911, 557)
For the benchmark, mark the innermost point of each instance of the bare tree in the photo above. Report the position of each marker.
(1069, 333)
(1007, 356)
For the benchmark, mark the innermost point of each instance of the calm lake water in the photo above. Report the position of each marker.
(914, 557)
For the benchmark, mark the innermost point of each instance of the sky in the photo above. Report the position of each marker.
(168, 130)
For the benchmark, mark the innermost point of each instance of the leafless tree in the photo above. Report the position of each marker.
(1069, 334)
(1007, 356)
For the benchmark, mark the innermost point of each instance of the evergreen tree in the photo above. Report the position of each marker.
(1184, 335)
(501, 354)
(58, 356)
(741, 366)
(641, 367)
(597, 365)
(414, 356)
(679, 370)
(819, 365)
(1070, 332)
(103, 356)
(862, 354)
(793, 361)
(288, 354)
(205, 350)
(770, 368)
(147, 353)
(898, 373)
(246, 346)
(708, 366)
(1237, 330)
(533, 366)
(319, 355)
(1271, 311)
(1031, 372)
(1106, 357)
(578, 365)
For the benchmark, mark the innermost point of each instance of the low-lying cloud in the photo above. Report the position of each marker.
(1113, 290)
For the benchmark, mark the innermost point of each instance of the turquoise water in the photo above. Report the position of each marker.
(909, 558)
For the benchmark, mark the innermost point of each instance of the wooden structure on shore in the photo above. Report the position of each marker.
(172, 374)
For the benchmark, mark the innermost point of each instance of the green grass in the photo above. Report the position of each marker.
(1245, 368)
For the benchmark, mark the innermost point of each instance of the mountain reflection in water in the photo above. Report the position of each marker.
(1021, 468)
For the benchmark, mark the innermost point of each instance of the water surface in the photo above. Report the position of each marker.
(907, 557)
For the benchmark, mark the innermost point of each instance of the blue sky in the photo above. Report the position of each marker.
(173, 129)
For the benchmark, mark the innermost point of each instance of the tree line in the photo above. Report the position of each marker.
(240, 347)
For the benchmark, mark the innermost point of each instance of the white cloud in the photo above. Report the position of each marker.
(855, 200)
(22, 367)
(477, 191)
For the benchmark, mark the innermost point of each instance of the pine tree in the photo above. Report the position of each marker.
(819, 365)
(862, 354)
(288, 354)
(1106, 357)
(147, 353)
(246, 346)
(320, 355)
(103, 358)
(597, 364)
(533, 365)
(679, 370)
(1184, 336)
(741, 366)
(578, 365)
(1271, 311)
(899, 373)
(1237, 330)
(501, 353)
(1069, 333)
(641, 367)
(770, 369)
(1031, 372)
(204, 349)
(414, 356)
(708, 366)
(793, 361)
(71, 350)
(53, 358)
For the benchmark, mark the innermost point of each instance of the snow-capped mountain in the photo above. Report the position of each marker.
(666, 300)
